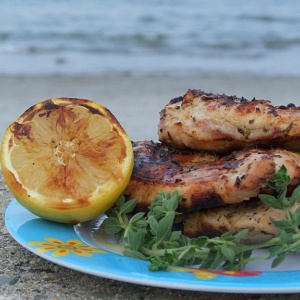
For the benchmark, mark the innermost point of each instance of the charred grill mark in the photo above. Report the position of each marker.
(94, 111)
(44, 114)
(20, 130)
(225, 100)
(231, 161)
(176, 100)
(199, 93)
(288, 129)
(50, 105)
(48, 108)
(230, 100)
(191, 94)
(204, 199)
(215, 182)
(10, 143)
(237, 181)
(273, 112)
(169, 136)
(271, 125)
(156, 162)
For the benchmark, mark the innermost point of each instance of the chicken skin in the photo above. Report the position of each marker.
(220, 123)
(252, 215)
(204, 179)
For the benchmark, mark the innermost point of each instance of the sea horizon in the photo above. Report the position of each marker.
(134, 38)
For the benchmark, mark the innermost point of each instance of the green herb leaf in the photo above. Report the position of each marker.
(172, 203)
(296, 217)
(278, 260)
(136, 217)
(241, 235)
(120, 201)
(111, 225)
(128, 206)
(187, 254)
(175, 235)
(295, 197)
(219, 258)
(199, 241)
(228, 253)
(280, 179)
(135, 254)
(275, 250)
(165, 227)
(159, 263)
(153, 225)
(281, 224)
(151, 237)
(270, 201)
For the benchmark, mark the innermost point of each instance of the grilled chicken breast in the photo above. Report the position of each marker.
(204, 179)
(252, 215)
(221, 123)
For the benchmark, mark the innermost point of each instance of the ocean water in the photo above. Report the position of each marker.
(143, 37)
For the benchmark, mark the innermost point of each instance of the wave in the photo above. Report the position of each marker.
(171, 32)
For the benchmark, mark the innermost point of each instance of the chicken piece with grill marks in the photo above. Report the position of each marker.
(203, 179)
(252, 215)
(221, 123)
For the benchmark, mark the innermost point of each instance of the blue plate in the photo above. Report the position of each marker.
(74, 248)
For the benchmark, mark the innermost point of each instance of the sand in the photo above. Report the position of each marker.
(136, 102)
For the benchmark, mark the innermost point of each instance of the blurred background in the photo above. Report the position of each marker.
(134, 55)
(137, 37)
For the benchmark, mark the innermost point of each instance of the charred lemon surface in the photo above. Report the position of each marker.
(66, 159)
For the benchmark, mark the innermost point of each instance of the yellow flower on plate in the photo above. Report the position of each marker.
(60, 248)
(198, 273)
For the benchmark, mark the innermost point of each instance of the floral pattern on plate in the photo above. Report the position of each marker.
(58, 247)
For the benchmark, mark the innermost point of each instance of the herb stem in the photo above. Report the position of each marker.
(150, 236)
(199, 252)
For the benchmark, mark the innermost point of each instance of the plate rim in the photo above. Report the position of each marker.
(201, 286)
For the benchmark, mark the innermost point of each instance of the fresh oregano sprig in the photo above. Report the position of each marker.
(151, 236)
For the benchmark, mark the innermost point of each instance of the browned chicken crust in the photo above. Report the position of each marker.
(252, 215)
(203, 179)
(222, 123)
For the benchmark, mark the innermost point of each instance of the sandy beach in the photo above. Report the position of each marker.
(136, 102)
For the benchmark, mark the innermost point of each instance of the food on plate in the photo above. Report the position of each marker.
(151, 236)
(221, 123)
(238, 145)
(66, 159)
(253, 215)
(205, 179)
(228, 166)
